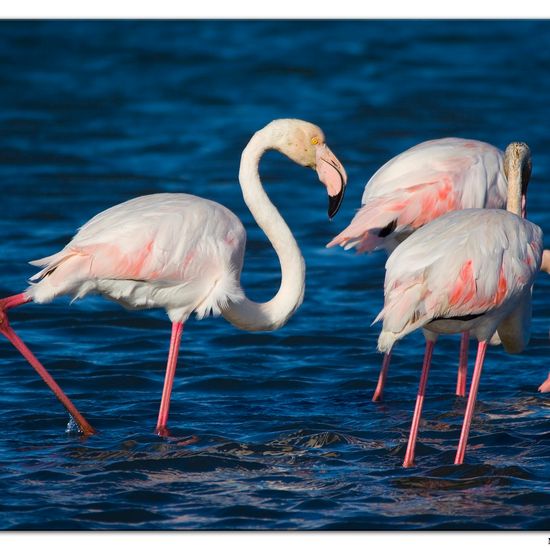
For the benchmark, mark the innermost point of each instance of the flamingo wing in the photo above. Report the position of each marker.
(462, 264)
(163, 238)
(421, 184)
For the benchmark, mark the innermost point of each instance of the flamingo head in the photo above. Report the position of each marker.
(304, 143)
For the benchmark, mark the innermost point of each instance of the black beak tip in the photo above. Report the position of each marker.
(334, 203)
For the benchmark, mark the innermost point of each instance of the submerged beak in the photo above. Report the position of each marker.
(332, 174)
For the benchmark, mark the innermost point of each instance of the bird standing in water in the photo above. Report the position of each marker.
(185, 254)
(416, 187)
(469, 270)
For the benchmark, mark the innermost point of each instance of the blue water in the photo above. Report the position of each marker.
(273, 430)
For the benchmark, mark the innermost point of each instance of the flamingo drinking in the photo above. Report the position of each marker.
(184, 254)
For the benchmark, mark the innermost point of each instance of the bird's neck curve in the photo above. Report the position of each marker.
(247, 314)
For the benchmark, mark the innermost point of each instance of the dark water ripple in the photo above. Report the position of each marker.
(269, 431)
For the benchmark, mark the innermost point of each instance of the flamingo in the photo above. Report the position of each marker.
(469, 270)
(416, 187)
(185, 254)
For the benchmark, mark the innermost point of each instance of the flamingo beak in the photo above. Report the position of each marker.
(332, 174)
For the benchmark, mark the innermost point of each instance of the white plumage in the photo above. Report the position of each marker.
(174, 251)
(185, 254)
(468, 271)
(421, 184)
(466, 263)
(415, 188)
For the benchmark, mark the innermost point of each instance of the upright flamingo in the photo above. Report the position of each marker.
(185, 254)
(469, 270)
(416, 187)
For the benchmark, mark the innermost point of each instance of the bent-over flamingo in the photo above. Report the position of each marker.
(469, 270)
(185, 254)
(416, 187)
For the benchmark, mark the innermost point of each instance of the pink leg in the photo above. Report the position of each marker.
(463, 365)
(382, 377)
(8, 332)
(409, 455)
(177, 329)
(545, 386)
(482, 348)
(13, 301)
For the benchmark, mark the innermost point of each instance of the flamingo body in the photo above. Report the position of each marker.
(421, 184)
(185, 254)
(415, 188)
(173, 251)
(469, 270)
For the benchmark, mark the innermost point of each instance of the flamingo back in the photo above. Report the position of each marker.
(139, 251)
(465, 263)
(421, 184)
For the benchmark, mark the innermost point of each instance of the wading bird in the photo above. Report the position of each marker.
(416, 187)
(185, 254)
(469, 270)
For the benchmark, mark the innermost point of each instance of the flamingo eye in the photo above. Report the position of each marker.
(314, 140)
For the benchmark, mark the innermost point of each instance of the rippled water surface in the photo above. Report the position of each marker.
(274, 430)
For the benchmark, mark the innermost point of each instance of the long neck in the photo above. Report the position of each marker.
(514, 330)
(517, 166)
(246, 314)
(513, 203)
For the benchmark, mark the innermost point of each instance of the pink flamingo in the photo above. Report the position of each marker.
(185, 254)
(469, 270)
(416, 187)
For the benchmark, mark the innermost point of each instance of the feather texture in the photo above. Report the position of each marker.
(144, 252)
(467, 263)
(421, 184)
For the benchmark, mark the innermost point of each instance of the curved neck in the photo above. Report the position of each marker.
(247, 314)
